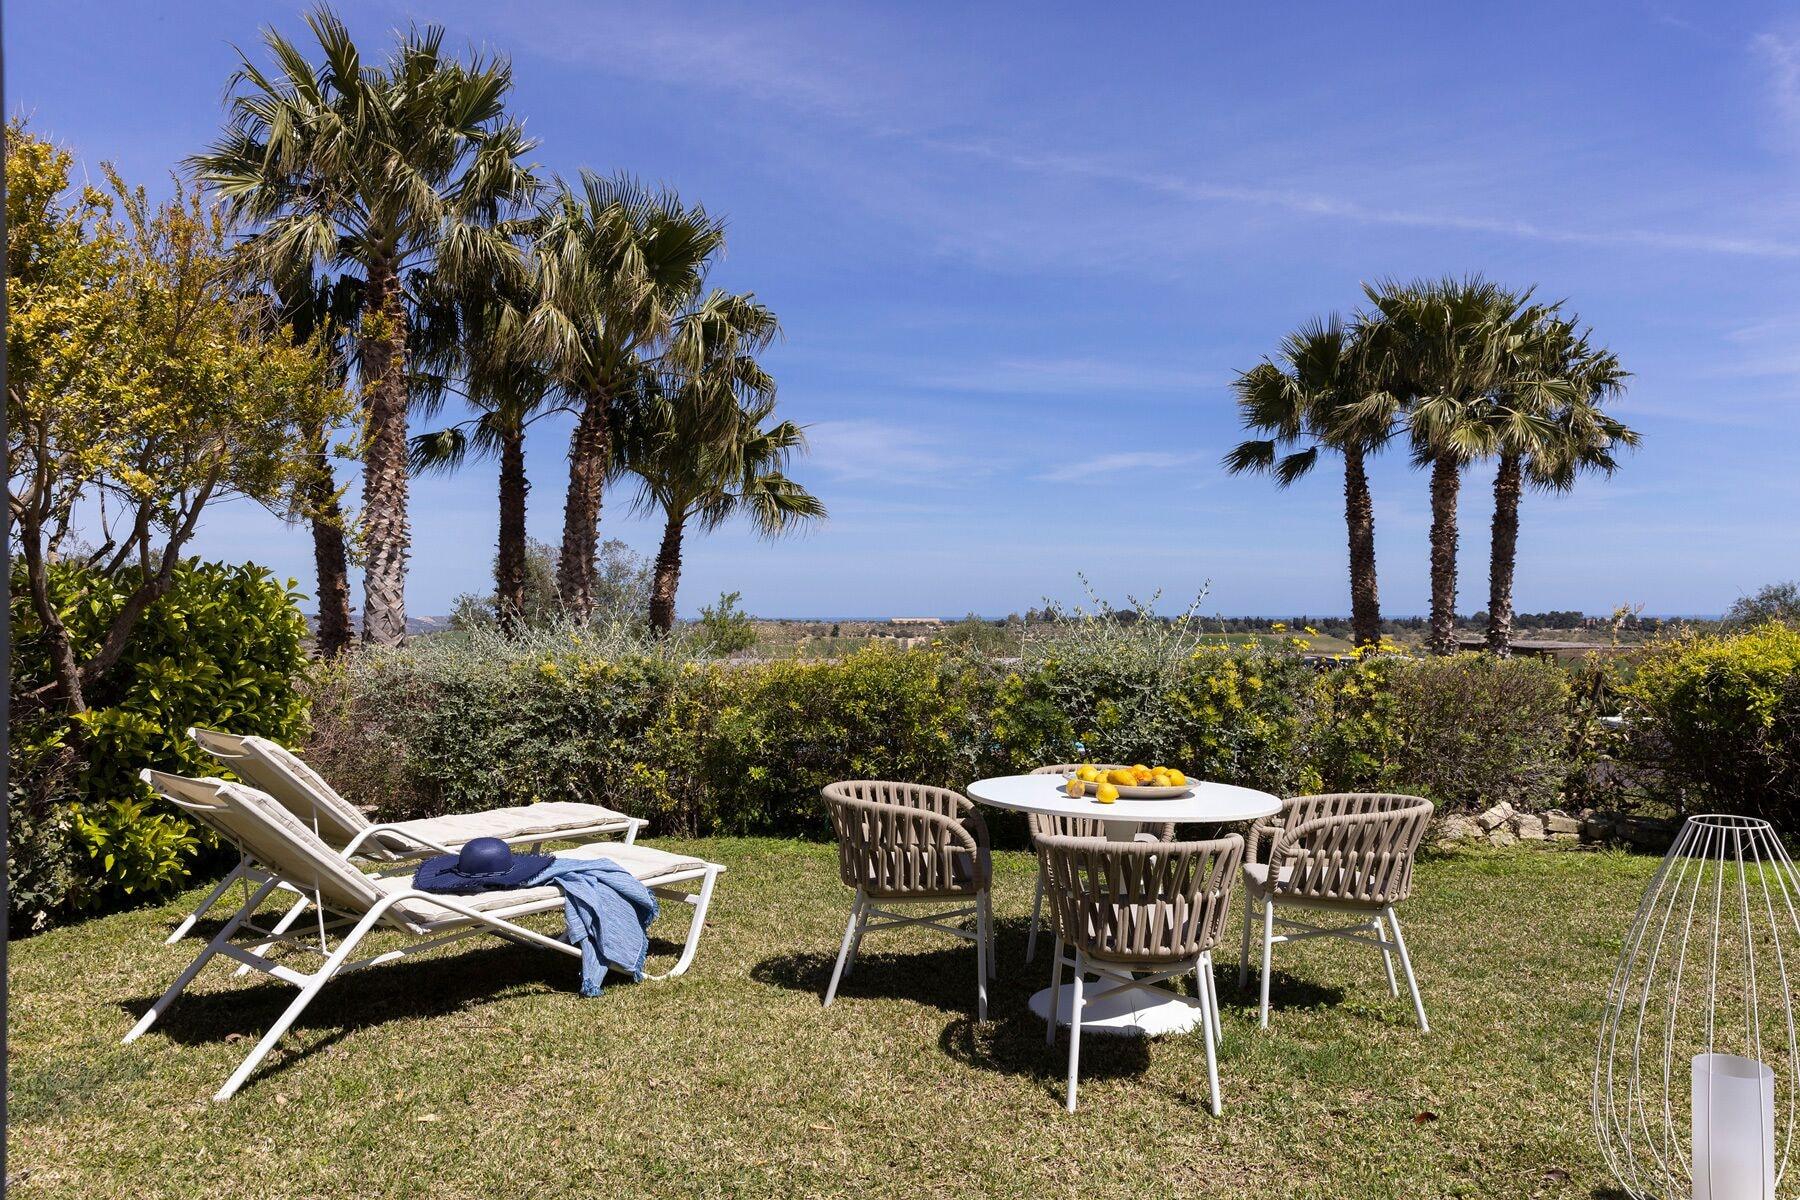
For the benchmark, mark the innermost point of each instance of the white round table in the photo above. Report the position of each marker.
(1111, 1009)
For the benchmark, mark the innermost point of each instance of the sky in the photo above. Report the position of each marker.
(1020, 251)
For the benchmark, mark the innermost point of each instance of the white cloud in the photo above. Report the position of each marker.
(1107, 464)
(1780, 55)
(875, 451)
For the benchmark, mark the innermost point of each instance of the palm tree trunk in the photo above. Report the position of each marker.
(509, 575)
(385, 531)
(589, 448)
(330, 558)
(668, 577)
(1359, 517)
(1503, 555)
(1445, 482)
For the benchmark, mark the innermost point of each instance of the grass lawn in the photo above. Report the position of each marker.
(479, 1072)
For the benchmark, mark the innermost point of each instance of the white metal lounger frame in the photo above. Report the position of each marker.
(335, 918)
(375, 841)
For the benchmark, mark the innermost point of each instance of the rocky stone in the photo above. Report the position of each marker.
(1495, 817)
(1529, 827)
(1647, 833)
(1457, 829)
(1502, 836)
(1565, 837)
(1558, 821)
(1599, 827)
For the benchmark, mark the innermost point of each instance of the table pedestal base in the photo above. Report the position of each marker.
(1120, 1011)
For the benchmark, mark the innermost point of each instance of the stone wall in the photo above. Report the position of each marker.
(1503, 825)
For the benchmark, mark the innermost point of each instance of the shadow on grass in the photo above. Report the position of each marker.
(408, 988)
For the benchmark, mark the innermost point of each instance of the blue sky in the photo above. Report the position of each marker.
(1019, 252)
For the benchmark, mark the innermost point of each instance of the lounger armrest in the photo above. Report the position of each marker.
(374, 832)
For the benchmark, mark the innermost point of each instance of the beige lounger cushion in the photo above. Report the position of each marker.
(644, 862)
(510, 824)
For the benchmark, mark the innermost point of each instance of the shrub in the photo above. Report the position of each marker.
(1476, 730)
(1719, 720)
(224, 646)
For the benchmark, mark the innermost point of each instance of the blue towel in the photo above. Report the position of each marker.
(608, 912)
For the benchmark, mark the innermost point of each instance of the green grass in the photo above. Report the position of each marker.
(478, 1071)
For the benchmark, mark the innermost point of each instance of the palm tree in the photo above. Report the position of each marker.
(324, 309)
(477, 337)
(387, 172)
(1443, 349)
(617, 263)
(696, 440)
(1318, 393)
(1549, 429)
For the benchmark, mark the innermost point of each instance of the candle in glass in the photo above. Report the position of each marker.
(1734, 1128)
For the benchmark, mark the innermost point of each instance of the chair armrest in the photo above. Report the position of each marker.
(379, 833)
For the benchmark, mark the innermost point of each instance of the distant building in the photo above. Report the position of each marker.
(918, 622)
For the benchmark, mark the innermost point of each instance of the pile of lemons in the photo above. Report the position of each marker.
(1106, 784)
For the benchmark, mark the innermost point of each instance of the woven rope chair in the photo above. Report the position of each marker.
(1138, 914)
(1046, 824)
(1347, 853)
(903, 843)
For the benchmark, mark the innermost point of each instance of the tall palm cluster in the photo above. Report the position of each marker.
(396, 214)
(1459, 371)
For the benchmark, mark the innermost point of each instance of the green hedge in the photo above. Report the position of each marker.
(450, 725)
(224, 646)
(1717, 718)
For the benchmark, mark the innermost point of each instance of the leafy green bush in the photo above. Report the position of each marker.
(1719, 719)
(224, 646)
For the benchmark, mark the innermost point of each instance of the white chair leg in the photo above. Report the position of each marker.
(1212, 998)
(200, 960)
(1412, 981)
(1268, 952)
(1078, 1000)
(851, 928)
(1244, 946)
(862, 927)
(1208, 1015)
(1387, 956)
(1056, 971)
(212, 898)
(1037, 912)
(313, 986)
(282, 926)
(695, 928)
(981, 967)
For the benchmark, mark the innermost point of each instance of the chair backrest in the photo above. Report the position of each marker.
(275, 770)
(1144, 902)
(1049, 824)
(1354, 847)
(902, 839)
(270, 836)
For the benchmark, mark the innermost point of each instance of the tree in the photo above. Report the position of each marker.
(621, 589)
(477, 338)
(724, 628)
(322, 310)
(144, 384)
(1772, 602)
(394, 173)
(1549, 427)
(695, 438)
(1320, 393)
(1442, 349)
(616, 264)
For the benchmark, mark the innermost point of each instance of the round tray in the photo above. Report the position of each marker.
(1140, 792)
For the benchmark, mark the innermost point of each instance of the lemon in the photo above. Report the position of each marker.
(1176, 778)
(1106, 793)
(1087, 774)
(1123, 777)
(1075, 787)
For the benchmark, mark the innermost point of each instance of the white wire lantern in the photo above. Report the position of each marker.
(1695, 1079)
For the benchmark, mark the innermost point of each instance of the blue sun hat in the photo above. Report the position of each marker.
(485, 865)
